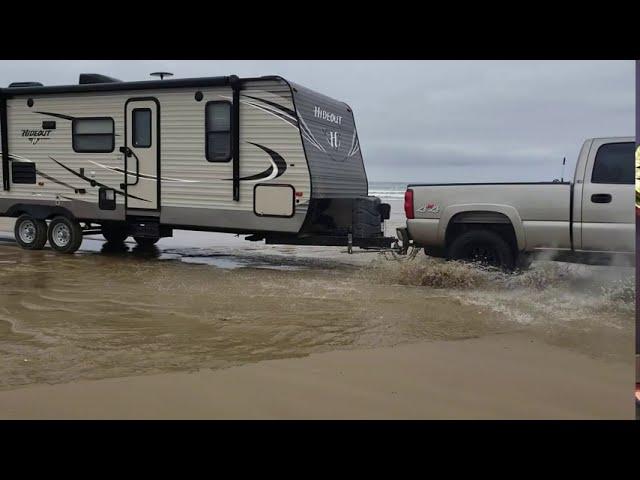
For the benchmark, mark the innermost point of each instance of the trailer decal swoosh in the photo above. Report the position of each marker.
(277, 160)
(286, 115)
(94, 182)
(142, 175)
(277, 168)
(58, 115)
(18, 158)
(55, 180)
(276, 105)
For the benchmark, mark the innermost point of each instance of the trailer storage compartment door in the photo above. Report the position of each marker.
(271, 200)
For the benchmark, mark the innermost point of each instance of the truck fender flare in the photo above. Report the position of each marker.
(508, 211)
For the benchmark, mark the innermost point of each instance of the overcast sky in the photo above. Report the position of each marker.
(431, 121)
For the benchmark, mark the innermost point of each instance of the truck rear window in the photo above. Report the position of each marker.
(614, 164)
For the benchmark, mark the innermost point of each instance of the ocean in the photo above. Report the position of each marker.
(387, 190)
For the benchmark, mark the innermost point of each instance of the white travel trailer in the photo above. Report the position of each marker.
(257, 156)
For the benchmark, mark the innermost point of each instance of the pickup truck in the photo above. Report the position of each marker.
(501, 223)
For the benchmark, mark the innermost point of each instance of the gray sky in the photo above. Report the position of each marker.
(431, 121)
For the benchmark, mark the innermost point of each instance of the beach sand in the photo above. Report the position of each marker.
(214, 327)
(507, 376)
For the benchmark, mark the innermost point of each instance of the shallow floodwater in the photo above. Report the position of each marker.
(203, 300)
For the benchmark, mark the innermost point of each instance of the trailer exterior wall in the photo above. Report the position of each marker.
(194, 191)
(331, 144)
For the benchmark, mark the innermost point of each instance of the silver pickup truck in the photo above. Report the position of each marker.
(500, 223)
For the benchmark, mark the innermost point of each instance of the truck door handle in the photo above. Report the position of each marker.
(601, 198)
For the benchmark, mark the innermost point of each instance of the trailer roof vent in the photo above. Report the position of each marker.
(87, 78)
(161, 74)
(24, 84)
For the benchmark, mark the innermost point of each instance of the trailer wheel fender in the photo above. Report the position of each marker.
(508, 211)
(39, 212)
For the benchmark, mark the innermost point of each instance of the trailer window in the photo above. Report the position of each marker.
(141, 127)
(614, 164)
(93, 135)
(218, 131)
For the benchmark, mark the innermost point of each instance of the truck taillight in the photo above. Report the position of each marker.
(408, 203)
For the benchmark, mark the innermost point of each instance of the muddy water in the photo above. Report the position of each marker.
(211, 301)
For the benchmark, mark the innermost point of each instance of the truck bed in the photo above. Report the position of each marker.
(543, 208)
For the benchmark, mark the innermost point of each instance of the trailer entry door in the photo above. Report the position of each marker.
(142, 161)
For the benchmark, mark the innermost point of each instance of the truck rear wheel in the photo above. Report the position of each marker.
(30, 233)
(65, 236)
(484, 247)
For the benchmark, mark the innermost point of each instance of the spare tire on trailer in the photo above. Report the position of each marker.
(30, 232)
(482, 246)
(366, 217)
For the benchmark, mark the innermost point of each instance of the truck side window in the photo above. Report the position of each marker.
(93, 135)
(614, 164)
(218, 131)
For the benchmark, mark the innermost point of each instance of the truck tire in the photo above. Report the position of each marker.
(433, 252)
(30, 233)
(146, 242)
(523, 261)
(115, 233)
(65, 235)
(484, 247)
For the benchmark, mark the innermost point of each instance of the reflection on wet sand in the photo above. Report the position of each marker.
(116, 249)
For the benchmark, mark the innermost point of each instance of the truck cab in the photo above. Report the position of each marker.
(603, 193)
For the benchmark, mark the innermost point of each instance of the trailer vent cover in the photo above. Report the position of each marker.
(24, 84)
(23, 172)
(89, 78)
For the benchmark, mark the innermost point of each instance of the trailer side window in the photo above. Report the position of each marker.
(93, 135)
(218, 131)
(614, 164)
(141, 127)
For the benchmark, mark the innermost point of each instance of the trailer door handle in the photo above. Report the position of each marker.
(137, 170)
(129, 153)
(601, 198)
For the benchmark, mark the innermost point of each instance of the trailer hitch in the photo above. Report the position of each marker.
(403, 240)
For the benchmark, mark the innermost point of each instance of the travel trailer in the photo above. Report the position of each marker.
(258, 156)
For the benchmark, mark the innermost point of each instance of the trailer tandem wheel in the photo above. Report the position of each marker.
(30, 232)
(65, 235)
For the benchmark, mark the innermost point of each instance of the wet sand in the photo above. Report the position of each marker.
(494, 377)
(212, 326)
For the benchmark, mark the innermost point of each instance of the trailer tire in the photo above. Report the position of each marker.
(65, 235)
(146, 242)
(30, 232)
(115, 233)
(482, 246)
